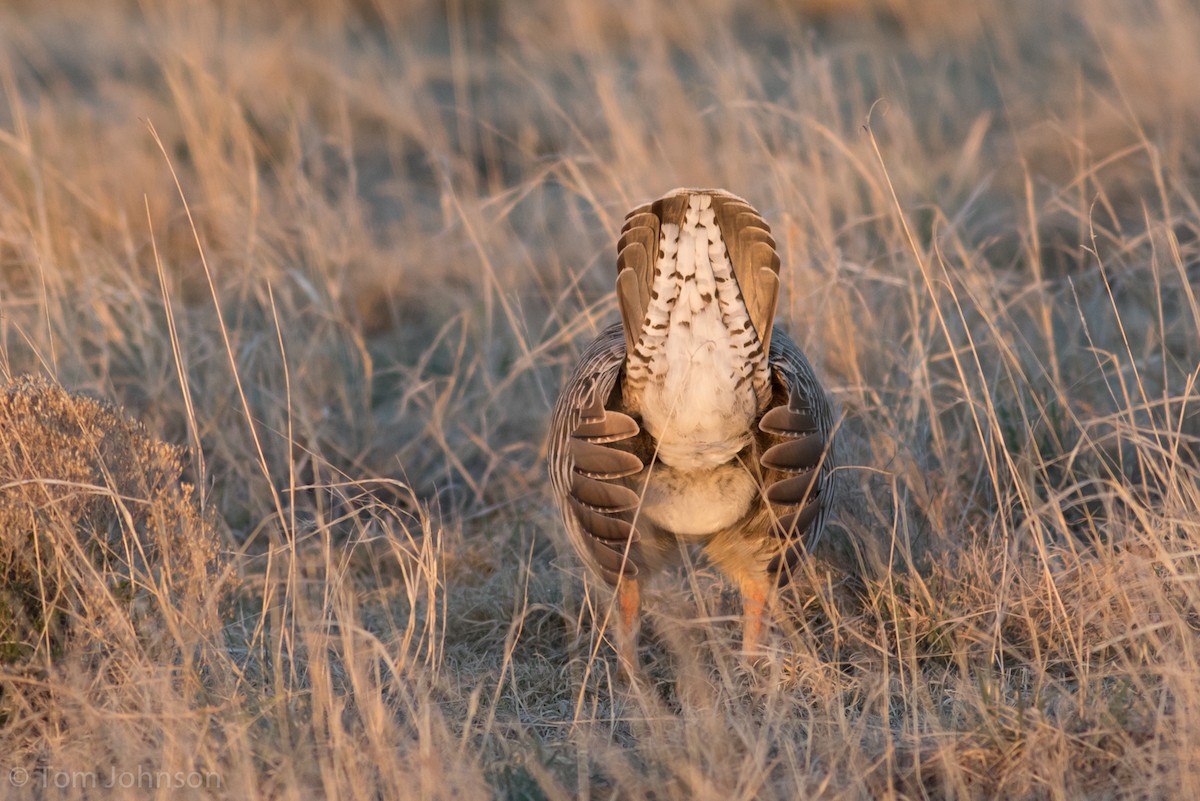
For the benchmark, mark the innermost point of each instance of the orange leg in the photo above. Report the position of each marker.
(754, 610)
(629, 605)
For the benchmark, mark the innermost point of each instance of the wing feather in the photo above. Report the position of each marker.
(799, 467)
(585, 467)
(611, 427)
(799, 454)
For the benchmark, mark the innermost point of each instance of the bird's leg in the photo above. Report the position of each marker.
(629, 603)
(754, 611)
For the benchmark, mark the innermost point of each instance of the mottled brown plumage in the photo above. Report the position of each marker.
(694, 418)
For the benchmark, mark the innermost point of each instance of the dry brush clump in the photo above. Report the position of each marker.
(98, 535)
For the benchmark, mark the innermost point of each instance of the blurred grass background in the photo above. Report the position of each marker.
(346, 252)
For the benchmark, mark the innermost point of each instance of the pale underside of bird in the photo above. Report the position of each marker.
(694, 420)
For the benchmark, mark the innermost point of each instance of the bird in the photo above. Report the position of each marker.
(695, 420)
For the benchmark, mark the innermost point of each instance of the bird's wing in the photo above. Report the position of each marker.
(800, 463)
(585, 468)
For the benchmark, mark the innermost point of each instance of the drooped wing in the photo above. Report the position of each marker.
(585, 467)
(799, 463)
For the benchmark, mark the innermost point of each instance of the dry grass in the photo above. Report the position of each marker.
(91, 510)
(346, 252)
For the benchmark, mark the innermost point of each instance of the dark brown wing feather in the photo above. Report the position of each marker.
(586, 468)
(610, 427)
(798, 465)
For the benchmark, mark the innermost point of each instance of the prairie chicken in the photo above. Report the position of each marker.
(694, 419)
